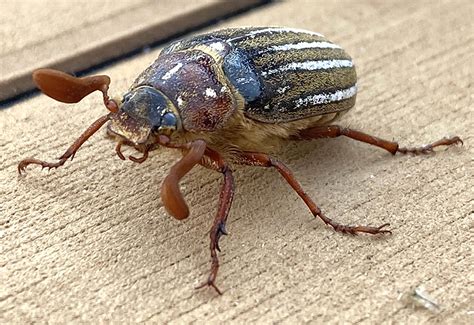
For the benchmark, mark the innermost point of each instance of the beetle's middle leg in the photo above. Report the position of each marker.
(333, 131)
(264, 160)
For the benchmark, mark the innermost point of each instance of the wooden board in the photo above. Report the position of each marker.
(76, 35)
(92, 242)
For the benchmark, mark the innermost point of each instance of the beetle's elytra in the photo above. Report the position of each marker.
(228, 98)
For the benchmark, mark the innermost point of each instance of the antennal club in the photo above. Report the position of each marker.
(69, 89)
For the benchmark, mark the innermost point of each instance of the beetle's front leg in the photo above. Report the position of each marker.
(193, 153)
(333, 131)
(70, 152)
(215, 162)
(264, 160)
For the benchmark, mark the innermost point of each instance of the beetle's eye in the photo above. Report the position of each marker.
(169, 120)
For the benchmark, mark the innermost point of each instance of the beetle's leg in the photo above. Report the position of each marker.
(70, 152)
(142, 158)
(118, 150)
(264, 160)
(193, 153)
(215, 162)
(333, 131)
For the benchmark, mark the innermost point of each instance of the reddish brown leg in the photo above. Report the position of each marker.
(193, 153)
(215, 162)
(70, 152)
(333, 131)
(118, 150)
(142, 158)
(264, 160)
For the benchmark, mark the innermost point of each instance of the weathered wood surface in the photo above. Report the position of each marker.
(92, 242)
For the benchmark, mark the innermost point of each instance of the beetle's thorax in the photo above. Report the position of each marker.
(195, 85)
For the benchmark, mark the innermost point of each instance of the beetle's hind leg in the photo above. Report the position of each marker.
(264, 160)
(333, 131)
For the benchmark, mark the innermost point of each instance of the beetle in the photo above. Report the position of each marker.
(225, 98)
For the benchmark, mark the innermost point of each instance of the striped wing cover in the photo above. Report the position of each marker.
(302, 74)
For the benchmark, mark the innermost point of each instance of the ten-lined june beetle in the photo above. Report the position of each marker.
(228, 98)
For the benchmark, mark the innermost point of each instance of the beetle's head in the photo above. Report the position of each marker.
(143, 114)
(144, 118)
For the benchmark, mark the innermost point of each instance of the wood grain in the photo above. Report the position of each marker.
(92, 242)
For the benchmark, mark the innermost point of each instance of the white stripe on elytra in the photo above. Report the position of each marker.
(326, 98)
(310, 65)
(270, 30)
(300, 46)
